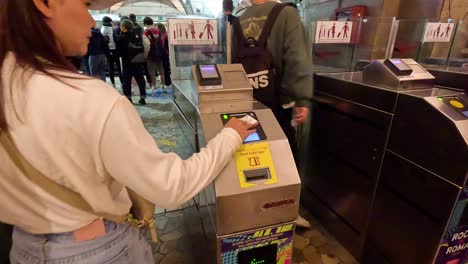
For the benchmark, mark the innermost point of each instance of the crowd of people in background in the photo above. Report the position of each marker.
(133, 52)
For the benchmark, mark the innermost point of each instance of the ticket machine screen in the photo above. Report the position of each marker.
(398, 67)
(208, 75)
(257, 136)
(209, 71)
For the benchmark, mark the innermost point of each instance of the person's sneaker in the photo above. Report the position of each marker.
(158, 92)
(142, 101)
(302, 222)
(168, 91)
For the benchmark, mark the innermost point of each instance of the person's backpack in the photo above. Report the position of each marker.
(136, 50)
(156, 50)
(258, 60)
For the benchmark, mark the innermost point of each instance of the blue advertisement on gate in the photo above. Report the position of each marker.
(256, 247)
(453, 248)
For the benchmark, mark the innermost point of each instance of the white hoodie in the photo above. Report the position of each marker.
(89, 138)
(109, 32)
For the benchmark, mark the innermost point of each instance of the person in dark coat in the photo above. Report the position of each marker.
(113, 60)
(98, 50)
(136, 26)
(130, 69)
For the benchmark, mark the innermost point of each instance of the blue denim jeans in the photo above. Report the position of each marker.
(122, 244)
(98, 66)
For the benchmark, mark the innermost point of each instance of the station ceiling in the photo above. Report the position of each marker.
(177, 4)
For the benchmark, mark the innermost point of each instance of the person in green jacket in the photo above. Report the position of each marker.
(288, 46)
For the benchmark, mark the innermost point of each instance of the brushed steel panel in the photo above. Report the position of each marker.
(244, 211)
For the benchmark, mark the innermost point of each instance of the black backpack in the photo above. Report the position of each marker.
(156, 51)
(258, 60)
(136, 50)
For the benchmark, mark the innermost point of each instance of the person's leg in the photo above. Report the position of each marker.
(127, 81)
(119, 66)
(160, 67)
(147, 73)
(122, 243)
(167, 71)
(102, 67)
(140, 79)
(92, 66)
(85, 64)
(152, 71)
(111, 68)
(284, 117)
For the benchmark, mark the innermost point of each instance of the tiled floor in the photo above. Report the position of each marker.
(187, 236)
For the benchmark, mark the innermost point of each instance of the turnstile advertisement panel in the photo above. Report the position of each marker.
(263, 246)
(453, 246)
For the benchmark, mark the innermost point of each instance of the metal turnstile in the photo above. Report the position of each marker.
(254, 202)
(389, 164)
(451, 77)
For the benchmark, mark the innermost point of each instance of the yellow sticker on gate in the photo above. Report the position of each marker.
(255, 165)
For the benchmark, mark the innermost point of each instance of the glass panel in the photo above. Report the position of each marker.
(409, 37)
(184, 56)
(329, 57)
(372, 40)
(459, 53)
(436, 53)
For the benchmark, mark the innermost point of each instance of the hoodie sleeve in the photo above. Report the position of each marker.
(297, 64)
(132, 157)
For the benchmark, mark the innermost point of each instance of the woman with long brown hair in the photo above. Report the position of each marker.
(84, 136)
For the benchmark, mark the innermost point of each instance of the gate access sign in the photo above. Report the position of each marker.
(333, 32)
(193, 31)
(438, 32)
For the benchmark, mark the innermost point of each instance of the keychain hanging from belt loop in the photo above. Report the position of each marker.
(144, 225)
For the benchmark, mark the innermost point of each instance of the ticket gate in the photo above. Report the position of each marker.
(254, 202)
(451, 77)
(389, 164)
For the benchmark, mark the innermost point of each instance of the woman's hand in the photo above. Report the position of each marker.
(243, 128)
